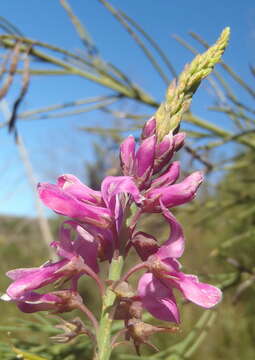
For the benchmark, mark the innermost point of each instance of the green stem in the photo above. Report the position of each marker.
(104, 331)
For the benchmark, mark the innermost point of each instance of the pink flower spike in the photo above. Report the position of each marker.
(158, 299)
(127, 155)
(149, 128)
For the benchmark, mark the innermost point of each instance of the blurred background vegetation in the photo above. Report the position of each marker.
(219, 225)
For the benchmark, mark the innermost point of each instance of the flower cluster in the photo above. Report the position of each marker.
(102, 225)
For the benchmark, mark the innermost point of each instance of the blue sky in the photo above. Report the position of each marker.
(56, 146)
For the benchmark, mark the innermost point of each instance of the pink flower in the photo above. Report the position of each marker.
(155, 288)
(78, 257)
(172, 195)
(146, 245)
(56, 301)
(149, 128)
(166, 149)
(156, 292)
(138, 164)
(73, 199)
(151, 156)
(168, 177)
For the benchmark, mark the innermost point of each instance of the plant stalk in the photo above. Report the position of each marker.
(105, 325)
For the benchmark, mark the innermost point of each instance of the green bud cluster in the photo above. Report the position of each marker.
(180, 92)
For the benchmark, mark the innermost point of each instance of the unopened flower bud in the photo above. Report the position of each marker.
(145, 244)
(71, 329)
(140, 332)
(149, 128)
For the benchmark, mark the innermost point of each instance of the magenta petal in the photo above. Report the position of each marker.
(35, 279)
(174, 246)
(202, 294)
(179, 140)
(64, 247)
(177, 194)
(16, 274)
(38, 302)
(127, 155)
(65, 204)
(86, 246)
(114, 191)
(76, 241)
(72, 185)
(104, 239)
(115, 185)
(164, 152)
(157, 298)
(144, 158)
(149, 128)
(169, 177)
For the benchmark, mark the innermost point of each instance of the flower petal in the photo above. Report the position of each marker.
(114, 189)
(202, 294)
(174, 246)
(169, 177)
(38, 302)
(65, 204)
(72, 185)
(83, 244)
(127, 155)
(179, 140)
(174, 195)
(144, 158)
(35, 279)
(149, 128)
(157, 298)
(86, 246)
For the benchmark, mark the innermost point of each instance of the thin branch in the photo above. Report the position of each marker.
(153, 43)
(194, 119)
(225, 140)
(95, 99)
(89, 314)
(123, 89)
(41, 219)
(209, 166)
(74, 112)
(80, 29)
(137, 39)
